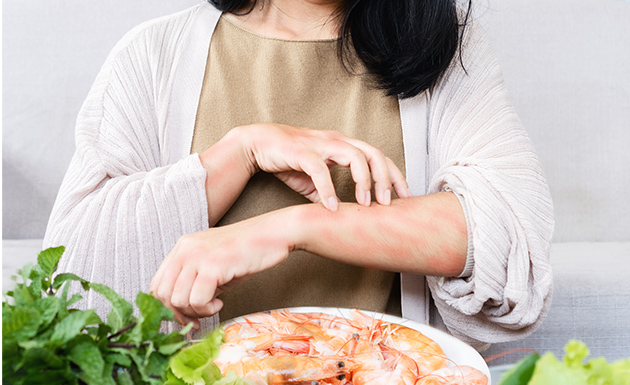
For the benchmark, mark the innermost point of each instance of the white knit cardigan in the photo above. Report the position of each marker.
(133, 188)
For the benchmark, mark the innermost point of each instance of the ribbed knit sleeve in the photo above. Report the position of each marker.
(479, 150)
(120, 210)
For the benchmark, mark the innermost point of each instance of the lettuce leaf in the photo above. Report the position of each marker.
(232, 379)
(194, 364)
(573, 371)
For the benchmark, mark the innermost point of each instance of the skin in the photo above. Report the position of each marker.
(423, 234)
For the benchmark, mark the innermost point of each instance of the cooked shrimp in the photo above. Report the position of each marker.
(256, 324)
(326, 341)
(427, 354)
(455, 375)
(261, 345)
(281, 347)
(291, 369)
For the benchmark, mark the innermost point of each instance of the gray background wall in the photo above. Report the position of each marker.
(566, 63)
(52, 51)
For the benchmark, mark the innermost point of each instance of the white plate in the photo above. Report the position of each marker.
(456, 350)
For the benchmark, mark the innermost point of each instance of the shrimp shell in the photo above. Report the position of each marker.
(281, 347)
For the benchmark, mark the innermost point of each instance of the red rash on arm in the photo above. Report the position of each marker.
(425, 234)
(228, 171)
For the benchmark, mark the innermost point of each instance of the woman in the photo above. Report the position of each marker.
(232, 155)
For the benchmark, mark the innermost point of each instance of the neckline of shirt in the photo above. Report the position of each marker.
(230, 22)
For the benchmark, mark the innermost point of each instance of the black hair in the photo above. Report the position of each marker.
(406, 44)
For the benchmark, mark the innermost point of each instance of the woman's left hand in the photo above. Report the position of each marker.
(203, 264)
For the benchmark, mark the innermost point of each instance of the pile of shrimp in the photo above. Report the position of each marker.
(281, 347)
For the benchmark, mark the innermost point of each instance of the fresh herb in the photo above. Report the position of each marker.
(572, 370)
(46, 341)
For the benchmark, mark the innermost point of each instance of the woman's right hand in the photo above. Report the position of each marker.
(301, 158)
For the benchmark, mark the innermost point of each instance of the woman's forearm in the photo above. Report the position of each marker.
(228, 170)
(424, 234)
(301, 158)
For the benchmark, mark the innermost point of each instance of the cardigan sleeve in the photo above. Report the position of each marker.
(119, 210)
(479, 150)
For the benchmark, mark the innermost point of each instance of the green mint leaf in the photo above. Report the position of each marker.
(167, 339)
(103, 330)
(90, 360)
(93, 319)
(156, 366)
(63, 301)
(152, 312)
(186, 329)
(20, 324)
(74, 299)
(63, 376)
(46, 341)
(48, 308)
(169, 349)
(133, 336)
(25, 272)
(32, 343)
(49, 259)
(145, 368)
(118, 359)
(11, 356)
(23, 296)
(70, 327)
(124, 378)
(38, 282)
(121, 313)
(64, 277)
(40, 359)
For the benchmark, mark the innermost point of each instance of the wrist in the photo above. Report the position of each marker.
(245, 137)
(233, 151)
(278, 230)
(228, 169)
(305, 223)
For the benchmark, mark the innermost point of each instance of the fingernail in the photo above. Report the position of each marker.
(332, 204)
(409, 194)
(387, 197)
(368, 198)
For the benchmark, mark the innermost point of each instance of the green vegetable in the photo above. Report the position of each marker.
(45, 341)
(521, 373)
(194, 364)
(572, 370)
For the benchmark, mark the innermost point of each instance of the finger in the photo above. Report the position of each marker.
(345, 154)
(180, 298)
(202, 296)
(164, 266)
(315, 167)
(300, 182)
(379, 169)
(398, 180)
(185, 320)
(164, 287)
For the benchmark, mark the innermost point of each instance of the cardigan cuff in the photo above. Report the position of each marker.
(470, 259)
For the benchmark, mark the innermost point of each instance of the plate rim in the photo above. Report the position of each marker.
(456, 350)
